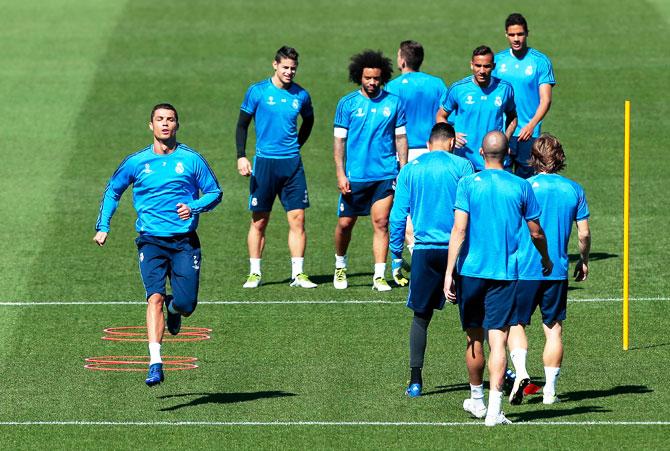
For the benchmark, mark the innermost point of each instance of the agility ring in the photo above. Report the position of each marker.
(139, 333)
(138, 363)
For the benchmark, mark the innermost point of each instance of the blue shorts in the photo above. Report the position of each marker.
(363, 195)
(283, 177)
(520, 154)
(485, 303)
(550, 295)
(176, 258)
(426, 287)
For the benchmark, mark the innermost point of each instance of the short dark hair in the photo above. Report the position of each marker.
(547, 154)
(481, 51)
(412, 53)
(164, 106)
(441, 132)
(371, 60)
(286, 52)
(516, 19)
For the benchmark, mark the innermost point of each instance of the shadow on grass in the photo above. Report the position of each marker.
(223, 398)
(650, 346)
(582, 395)
(326, 278)
(447, 389)
(593, 256)
(554, 413)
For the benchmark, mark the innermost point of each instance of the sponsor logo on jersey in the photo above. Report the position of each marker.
(483, 97)
(179, 169)
(271, 101)
(283, 100)
(498, 101)
(469, 100)
(373, 110)
(387, 111)
(147, 168)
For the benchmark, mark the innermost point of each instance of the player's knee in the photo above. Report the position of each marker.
(381, 223)
(156, 300)
(184, 306)
(345, 224)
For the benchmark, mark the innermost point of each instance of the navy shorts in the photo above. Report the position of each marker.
(520, 153)
(426, 287)
(550, 295)
(283, 177)
(176, 258)
(485, 303)
(363, 195)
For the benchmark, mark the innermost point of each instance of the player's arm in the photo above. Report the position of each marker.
(511, 122)
(243, 163)
(584, 235)
(401, 145)
(305, 129)
(339, 146)
(118, 183)
(208, 185)
(540, 242)
(398, 216)
(456, 239)
(542, 109)
(441, 115)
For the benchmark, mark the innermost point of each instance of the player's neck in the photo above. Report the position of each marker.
(484, 84)
(493, 164)
(165, 147)
(407, 70)
(374, 95)
(279, 84)
(519, 53)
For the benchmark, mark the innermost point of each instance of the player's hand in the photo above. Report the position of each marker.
(547, 267)
(581, 271)
(460, 140)
(100, 238)
(526, 133)
(450, 288)
(184, 211)
(244, 166)
(343, 184)
(399, 278)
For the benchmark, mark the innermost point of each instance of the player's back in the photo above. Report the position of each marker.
(563, 202)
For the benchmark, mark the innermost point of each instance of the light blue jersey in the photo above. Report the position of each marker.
(370, 126)
(563, 202)
(525, 75)
(498, 204)
(475, 111)
(421, 94)
(160, 182)
(275, 112)
(426, 190)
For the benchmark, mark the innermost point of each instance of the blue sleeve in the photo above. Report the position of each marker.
(510, 106)
(342, 118)
(462, 201)
(399, 212)
(582, 205)
(546, 75)
(450, 102)
(121, 179)
(400, 119)
(306, 110)
(468, 169)
(531, 207)
(250, 102)
(207, 183)
(443, 91)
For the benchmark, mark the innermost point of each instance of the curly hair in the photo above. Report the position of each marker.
(547, 154)
(369, 59)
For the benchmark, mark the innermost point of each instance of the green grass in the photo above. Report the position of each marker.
(78, 80)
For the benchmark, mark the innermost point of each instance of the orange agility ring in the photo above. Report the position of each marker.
(138, 363)
(139, 333)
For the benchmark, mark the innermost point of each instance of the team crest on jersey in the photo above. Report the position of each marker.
(341, 206)
(360, 113)
(387, 111)
(295, 104)
(498, 101)
(179, 169)
(271, 101)
(469, 100)
(529, 70)
(503, 67)
(147, 168)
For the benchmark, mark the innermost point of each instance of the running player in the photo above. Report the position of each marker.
(275, 104)
(530, 72)
(167, 177)
(425, 192)
(370, 141)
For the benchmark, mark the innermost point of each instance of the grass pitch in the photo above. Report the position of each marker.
(78, 81)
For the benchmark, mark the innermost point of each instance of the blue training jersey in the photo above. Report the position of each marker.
(371, 126)
(160, 182)
(525, 75)
(421, 94)
(475, 111)
(426, 190)
(563, 202)
(275, 112)
(498, 205)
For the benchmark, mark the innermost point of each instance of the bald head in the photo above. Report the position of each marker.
(495, 146)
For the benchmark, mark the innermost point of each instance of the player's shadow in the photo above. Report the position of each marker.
(320, 279)
(581, 395)
(593, 256)
(223, 398)
(447, 389)
(535, 415)
(649, 346)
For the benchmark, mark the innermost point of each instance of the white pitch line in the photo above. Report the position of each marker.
(280, 302)
(325, 423)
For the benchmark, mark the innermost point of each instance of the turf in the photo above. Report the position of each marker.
(79, 79)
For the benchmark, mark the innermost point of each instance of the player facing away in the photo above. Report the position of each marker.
(480, 103)
(420, 94)
(531, 75)
(370, 143)
(490, 208)
(275, 104)
(563, 203)
(167, 179)
(425, 191)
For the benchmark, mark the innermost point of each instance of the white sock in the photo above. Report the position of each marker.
(518, 356)
(296, 266)
(254, 266)
(341, 261)
(380, 270)
(495, 401)
(155, 353)
(550, 376)
(477, 393)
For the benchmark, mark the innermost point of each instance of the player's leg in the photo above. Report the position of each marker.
(256, 244)
(418, 337)
(184, 280)
(297, 241)
(343, 231)
(553, 307)
(524, 306)
(379, 215)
